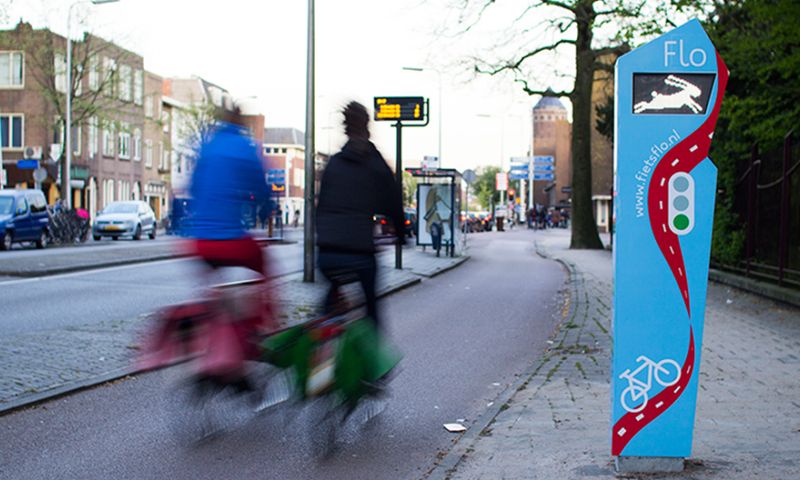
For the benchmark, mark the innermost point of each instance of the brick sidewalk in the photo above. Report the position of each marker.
(39, 365)
(556, 425)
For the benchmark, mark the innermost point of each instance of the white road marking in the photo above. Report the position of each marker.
(688, 369)
(711, 135)
(621, 431)
(675, 162)
(693, 148)
(659, 404)
(680, 272)
(664, 227)
(686, 293)
(639, 417)
(661, 205)
(663, 181)
(677, 389)
(671, 250)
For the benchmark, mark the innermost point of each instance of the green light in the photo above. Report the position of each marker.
(681, 222)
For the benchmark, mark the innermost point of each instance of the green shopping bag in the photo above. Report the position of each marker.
(363, 356)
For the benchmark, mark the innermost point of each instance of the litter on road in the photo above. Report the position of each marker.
(455, 427)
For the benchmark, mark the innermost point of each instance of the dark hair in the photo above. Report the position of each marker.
(356, 119)
(232, 115)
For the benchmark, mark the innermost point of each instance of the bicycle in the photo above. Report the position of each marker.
(638, 389)
(334, 363)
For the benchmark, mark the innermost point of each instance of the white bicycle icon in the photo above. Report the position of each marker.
(667, 373)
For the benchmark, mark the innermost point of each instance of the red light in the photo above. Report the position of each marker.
(408, 222)
(383, 221)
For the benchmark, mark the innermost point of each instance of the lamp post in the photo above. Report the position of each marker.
(310, 155)
(439, 77)
(66, 186)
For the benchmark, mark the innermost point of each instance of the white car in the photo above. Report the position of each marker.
(120, 219)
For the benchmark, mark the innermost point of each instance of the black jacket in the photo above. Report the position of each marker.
(356, 184)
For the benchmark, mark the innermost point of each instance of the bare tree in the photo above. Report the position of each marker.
(546, 28)
(94, 76)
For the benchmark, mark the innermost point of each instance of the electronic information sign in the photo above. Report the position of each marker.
(668, 96)
(400, 108)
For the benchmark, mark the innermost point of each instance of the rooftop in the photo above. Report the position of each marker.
(549, 100)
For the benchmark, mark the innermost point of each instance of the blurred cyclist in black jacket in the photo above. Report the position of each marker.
(356, 185)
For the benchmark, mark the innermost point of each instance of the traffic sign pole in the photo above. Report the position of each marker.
(400, 109)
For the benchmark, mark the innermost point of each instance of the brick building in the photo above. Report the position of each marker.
(552, 136)
(108, 115)
(284, 149)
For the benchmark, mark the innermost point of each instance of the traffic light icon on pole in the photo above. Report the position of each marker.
(681, 203)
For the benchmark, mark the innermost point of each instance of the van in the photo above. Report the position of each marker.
(23, 218)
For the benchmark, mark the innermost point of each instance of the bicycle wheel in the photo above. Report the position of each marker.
(327, 415)
(667, 372)
(629, 397)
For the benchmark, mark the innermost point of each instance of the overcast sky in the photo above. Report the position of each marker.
(257, 49)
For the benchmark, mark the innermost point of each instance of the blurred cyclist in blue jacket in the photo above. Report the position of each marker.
(227, 178)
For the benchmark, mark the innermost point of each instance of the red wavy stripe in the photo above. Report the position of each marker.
(631, 423)
(681, 158)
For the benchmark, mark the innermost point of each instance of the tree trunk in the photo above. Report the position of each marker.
(584, 229)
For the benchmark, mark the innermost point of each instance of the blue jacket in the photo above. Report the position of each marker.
(228, 179)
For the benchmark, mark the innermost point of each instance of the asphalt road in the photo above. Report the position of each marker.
(465, 334)
(116, 293)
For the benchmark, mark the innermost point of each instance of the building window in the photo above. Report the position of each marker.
(124, 139)
(148, 107)
(125, 73)
(148, 153)
(283, 150)
(165, 160)
(60, 71)
(108, 139)
(109, 75)
(299, 177)
(108, 192)
(137, 145)
(158, 155)
(11, 131)
(94, 73)
(138, 87)
(92, 136)
(165, 122)
(76, 139)
(11, 69)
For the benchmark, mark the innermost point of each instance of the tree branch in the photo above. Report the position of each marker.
(515, 65)
(531, 91)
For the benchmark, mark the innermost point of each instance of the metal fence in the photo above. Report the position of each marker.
(767, 202)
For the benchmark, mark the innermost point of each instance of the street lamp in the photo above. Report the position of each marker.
(66, 186)
(439, 76)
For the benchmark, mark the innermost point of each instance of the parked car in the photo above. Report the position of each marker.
(23, 218)
(121, 219)
(411, 221)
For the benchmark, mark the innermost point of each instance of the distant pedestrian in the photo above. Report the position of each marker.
(296, 221)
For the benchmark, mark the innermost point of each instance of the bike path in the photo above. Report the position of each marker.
(555, 421)
(42, 364)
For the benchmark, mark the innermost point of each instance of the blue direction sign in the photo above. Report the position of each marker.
(543, 168)
(543, 160)
(521, 167)
(517, 176)
(544, 176)
(29, 164)
(276, 177)
(668, 95)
